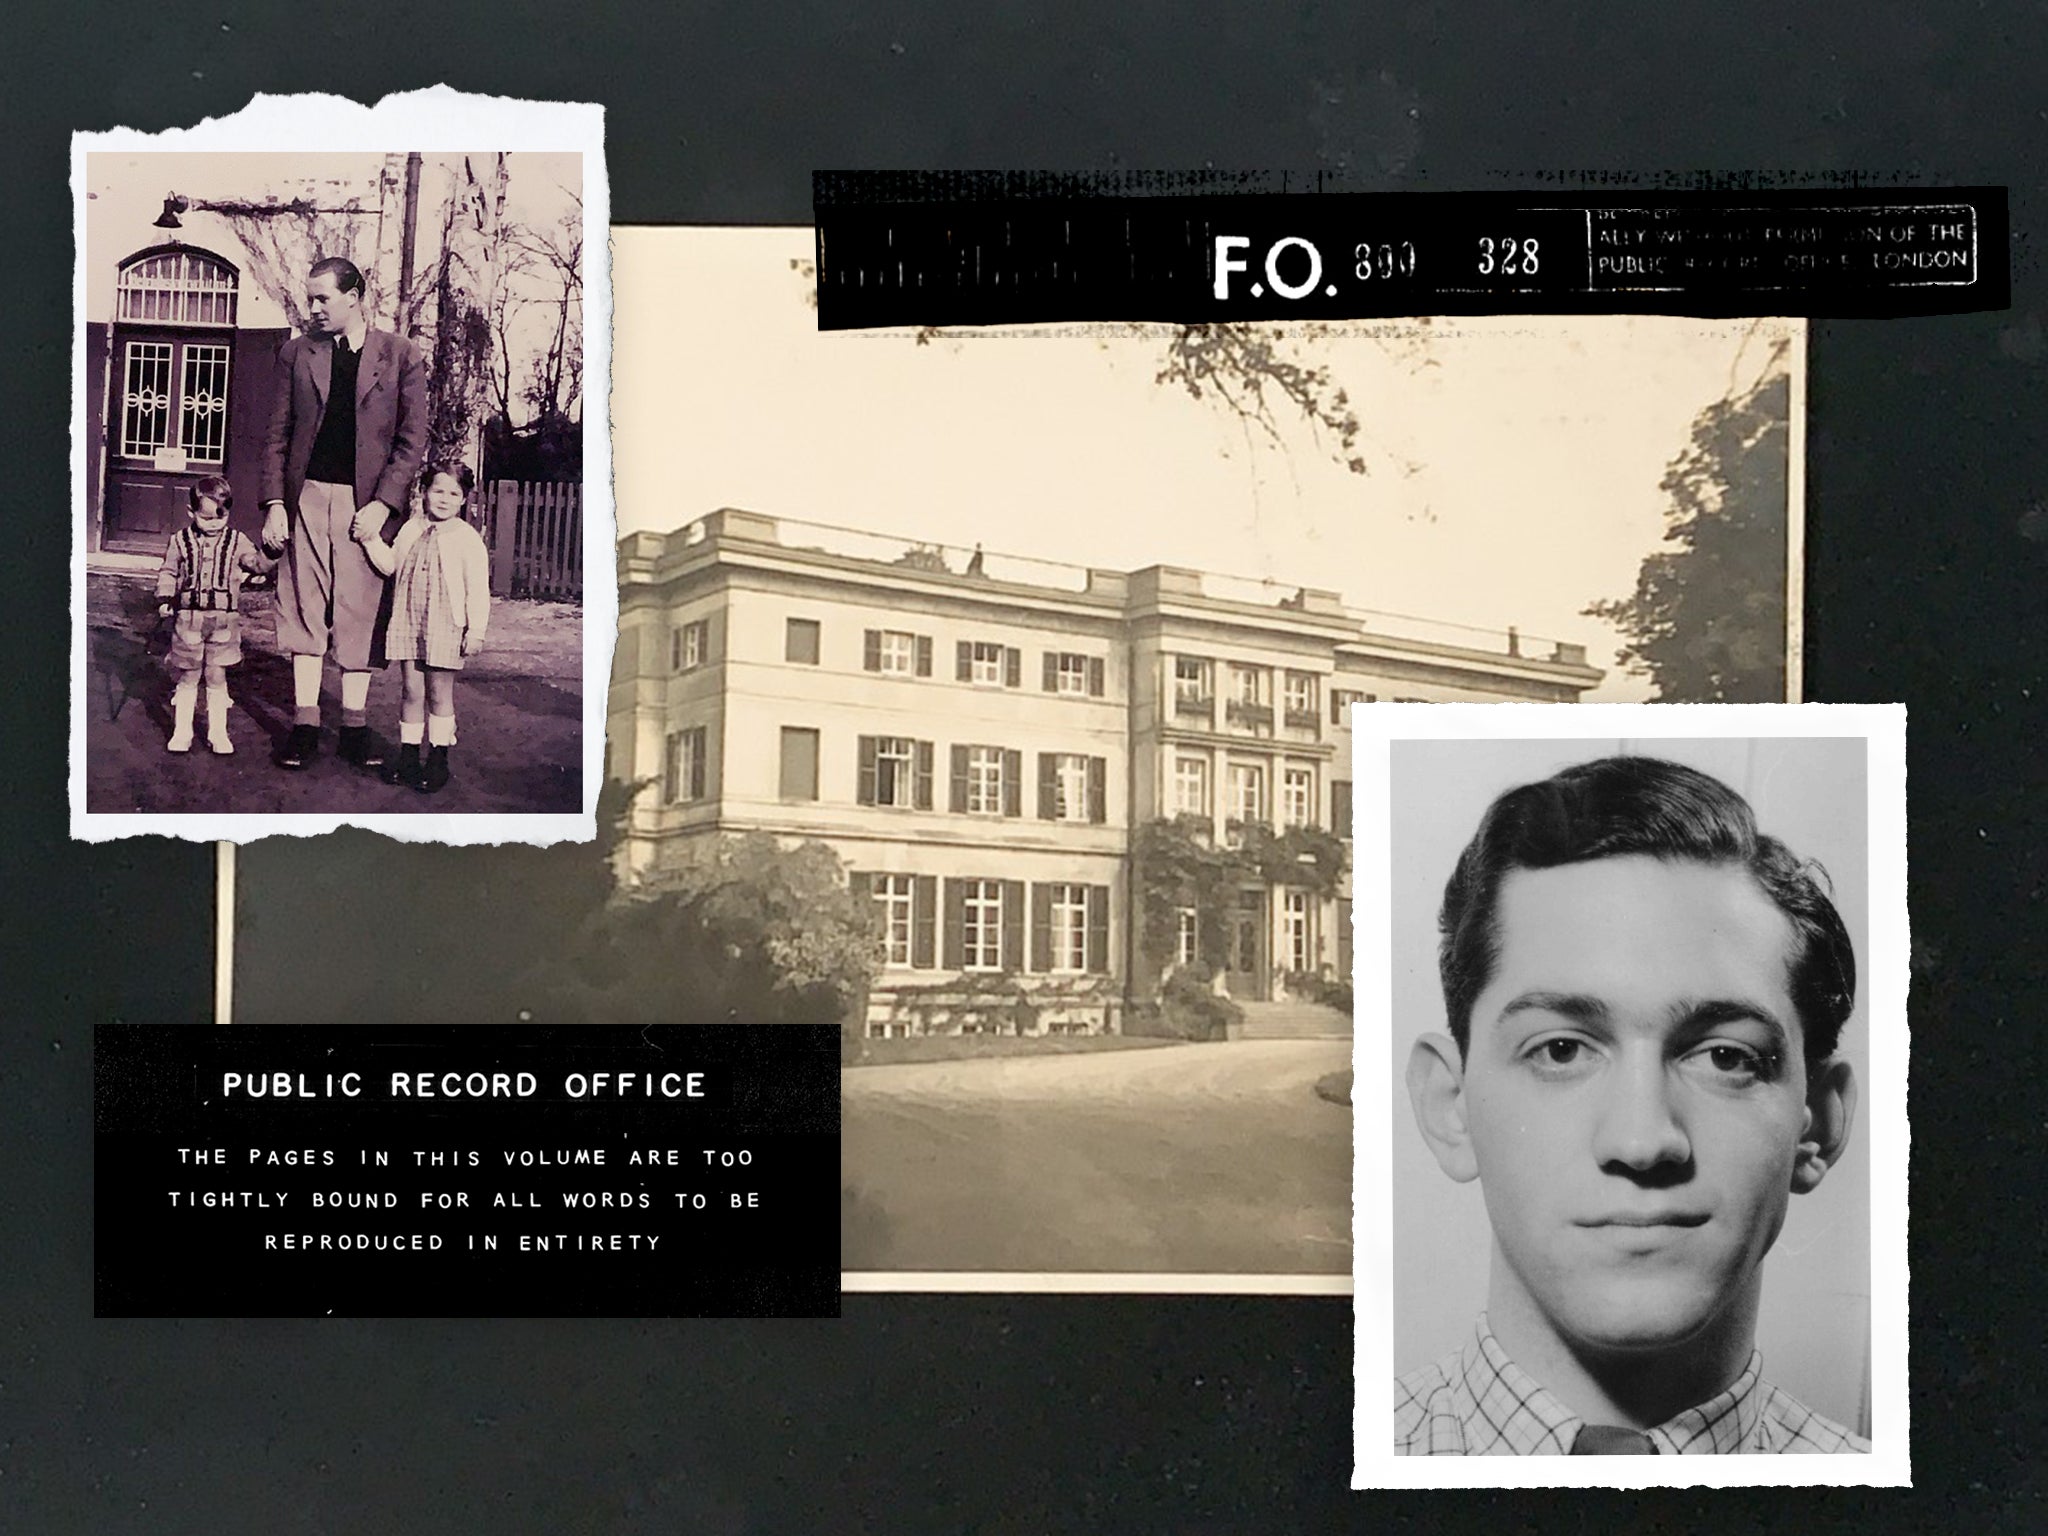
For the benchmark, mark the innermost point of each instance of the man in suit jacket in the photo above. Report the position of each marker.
(346, 440)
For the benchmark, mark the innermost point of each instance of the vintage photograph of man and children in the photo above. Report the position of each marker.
(334, 541)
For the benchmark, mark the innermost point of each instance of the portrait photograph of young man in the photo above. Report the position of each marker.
(1629, 1015)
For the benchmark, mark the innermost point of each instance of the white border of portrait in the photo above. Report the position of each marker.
(1882, 1135)
(437, 119)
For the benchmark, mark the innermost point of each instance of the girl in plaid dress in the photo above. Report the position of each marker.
(440, 604)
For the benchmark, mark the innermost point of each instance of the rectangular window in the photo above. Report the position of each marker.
(682, 766)
(1247, 792)
(982, 663)
(1340, 807)
(146, 398)
(1070, 928)
(1191, 786)
(1298, 797)
(1070, 675)
(982, 927)
(1070, 786)
(1186, 932)
(800, 642)
(899, 653)
(689, 646)
(984, 781)
(1190, 679)
(1294, 932)
(895, 896)
(1247, 684)
(1339, 697)
(799, 763)
(1300, 699)
(203, 408)
(895, 771)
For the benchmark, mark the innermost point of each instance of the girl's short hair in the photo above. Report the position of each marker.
(453, 469)
(216, 488)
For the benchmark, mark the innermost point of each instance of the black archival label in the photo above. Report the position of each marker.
(466, 1171)
(903, 248)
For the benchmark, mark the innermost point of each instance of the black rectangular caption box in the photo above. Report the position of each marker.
(466, 1171)
(965, 248)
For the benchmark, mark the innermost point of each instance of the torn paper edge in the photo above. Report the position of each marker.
(435, 120)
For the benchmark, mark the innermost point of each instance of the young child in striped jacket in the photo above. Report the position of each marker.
(199, 589)
(440, 605)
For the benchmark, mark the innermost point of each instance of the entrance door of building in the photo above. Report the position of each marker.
(1246, 976)
(167, 391)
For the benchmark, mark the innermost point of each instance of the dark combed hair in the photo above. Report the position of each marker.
(1640, 805)
(215, 486)
(454, 469)
(348, 277)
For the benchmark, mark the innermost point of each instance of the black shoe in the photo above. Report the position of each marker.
(434, 773)
(300, 747)
(406, 770)
(359, 748)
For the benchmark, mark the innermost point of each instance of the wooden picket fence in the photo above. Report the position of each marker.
(535, 532)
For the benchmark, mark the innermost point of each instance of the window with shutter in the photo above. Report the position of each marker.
(1013, 782)
(1068, 918)
(799, 763)
(981, 925)
(1013, 925)
(924, 776)
(800, 642)
(1098, 929)
(924, 913)
(869, 788)
(957, 800)
(982, 789)
(1041, 926)
(1098, 790)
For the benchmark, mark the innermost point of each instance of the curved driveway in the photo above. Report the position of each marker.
(1207, 1159)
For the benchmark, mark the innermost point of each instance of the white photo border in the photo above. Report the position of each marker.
(439, 119)
(1883, 1100)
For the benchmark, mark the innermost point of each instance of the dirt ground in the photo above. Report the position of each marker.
(519, 712)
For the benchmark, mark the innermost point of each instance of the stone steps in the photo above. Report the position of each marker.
(1294, 1021)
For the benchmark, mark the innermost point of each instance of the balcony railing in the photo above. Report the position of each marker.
(1192, 707)
(1310, 719)
(1256, 716)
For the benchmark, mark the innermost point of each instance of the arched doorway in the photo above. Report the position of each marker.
(172, 360)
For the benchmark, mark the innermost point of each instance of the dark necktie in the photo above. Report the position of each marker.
(341, 346)
(1612, 1440)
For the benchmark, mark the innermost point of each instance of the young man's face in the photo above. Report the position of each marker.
(1635, 1094)
(331, 310)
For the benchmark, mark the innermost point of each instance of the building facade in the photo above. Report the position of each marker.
(981, 739)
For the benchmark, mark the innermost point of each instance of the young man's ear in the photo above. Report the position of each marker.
(1436, 1088)
(1830, 1112)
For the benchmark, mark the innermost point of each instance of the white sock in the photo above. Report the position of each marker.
(306, 684)
(355, 690)
(217, 717)
(441, 730)
(184, 699)
(411, 732)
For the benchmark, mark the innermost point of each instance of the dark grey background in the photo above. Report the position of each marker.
(1928, 534)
